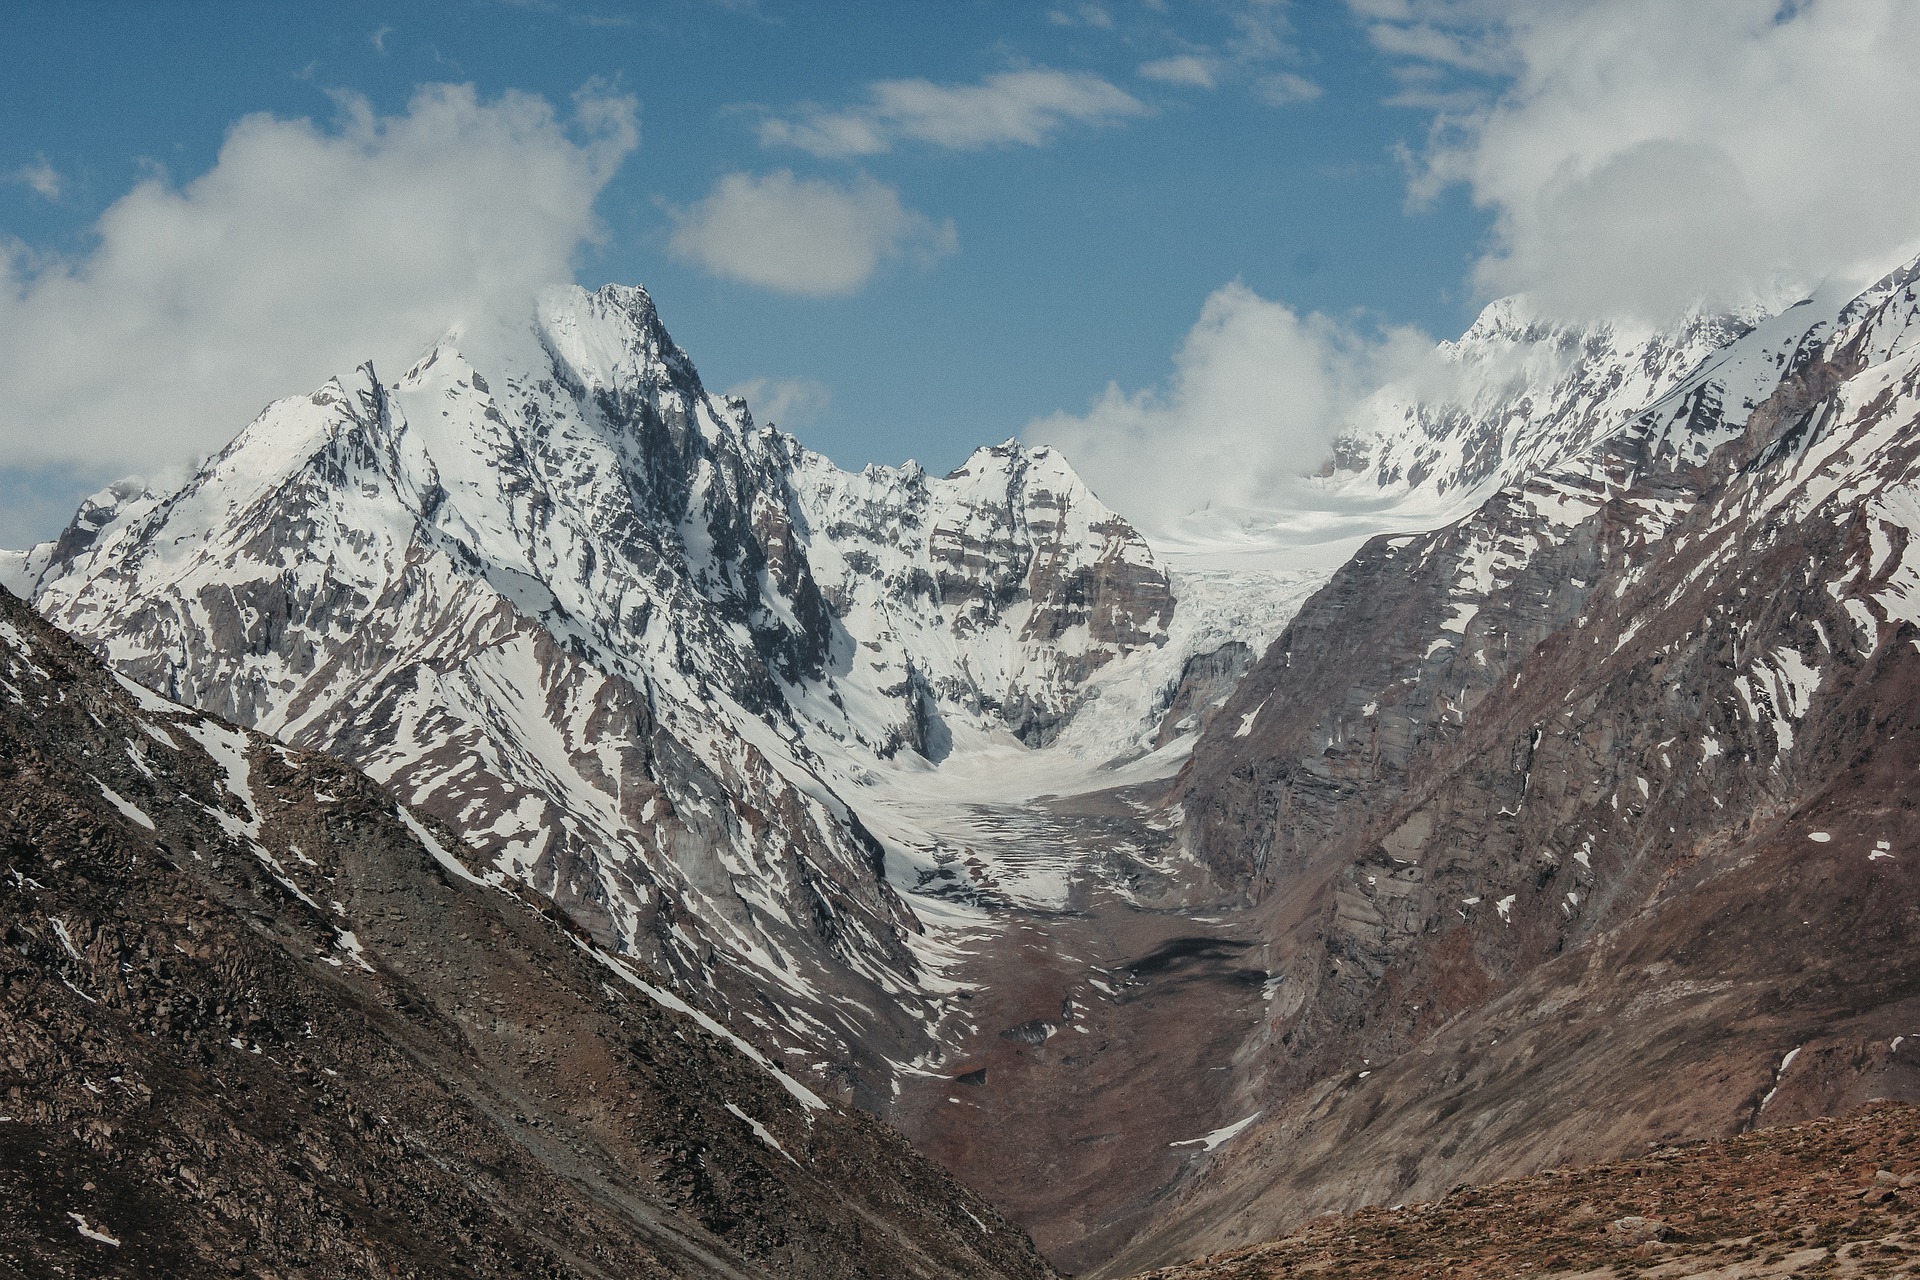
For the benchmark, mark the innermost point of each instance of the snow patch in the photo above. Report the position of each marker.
(127, 808)
(761, 1132)
(1226, 1133)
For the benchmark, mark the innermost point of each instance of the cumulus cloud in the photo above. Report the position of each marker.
(41, 178)
(804, 235)
(1283, 87)
(790, 403)
(303, 251)
(1640, 155)
(1257, 396)
(1013, 107)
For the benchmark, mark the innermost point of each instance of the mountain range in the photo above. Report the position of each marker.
(1167, 890)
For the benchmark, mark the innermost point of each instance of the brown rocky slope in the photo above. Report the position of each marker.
(1828, 1197)
(255, 1019)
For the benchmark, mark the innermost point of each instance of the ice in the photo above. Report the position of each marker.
(1779, 1074)
(66, 938)
(806, 1097)
(440, 855)
(349, 942)
(229, 749)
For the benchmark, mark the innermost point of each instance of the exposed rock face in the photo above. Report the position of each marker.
(1568, 824)
(988, 598)
(257, 1017)
(623, 641)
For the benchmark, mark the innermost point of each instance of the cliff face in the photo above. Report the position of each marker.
(1583, 822)
(259, 1016)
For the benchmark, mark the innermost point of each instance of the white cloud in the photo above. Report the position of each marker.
(378, 39)
(1091, 15)
(1283, 88)
(304, 251)
(1023, 107)
(1257, 396)
(1253, 36)
(1187, 69)
(1640, 155)
(42, 178)
(803, 235)
(789, 403)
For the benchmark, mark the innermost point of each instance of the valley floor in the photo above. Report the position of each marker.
(1097, 1013)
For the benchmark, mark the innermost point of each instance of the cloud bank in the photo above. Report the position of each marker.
(304, 251)
(1257, 395)
(804, 235)
(1640, 155)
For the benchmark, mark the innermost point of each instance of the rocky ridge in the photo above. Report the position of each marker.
(1515, 395)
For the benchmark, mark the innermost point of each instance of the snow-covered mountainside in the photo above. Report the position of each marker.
(260, 1019)
(1514, 395)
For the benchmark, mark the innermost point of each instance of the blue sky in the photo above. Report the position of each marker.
(988, 212)
(1077, 261)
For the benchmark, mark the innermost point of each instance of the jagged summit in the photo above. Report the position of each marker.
(1515, 394)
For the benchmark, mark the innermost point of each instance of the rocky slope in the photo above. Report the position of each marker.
(1585, 821)
(258, 1018)
(1833, 1198)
